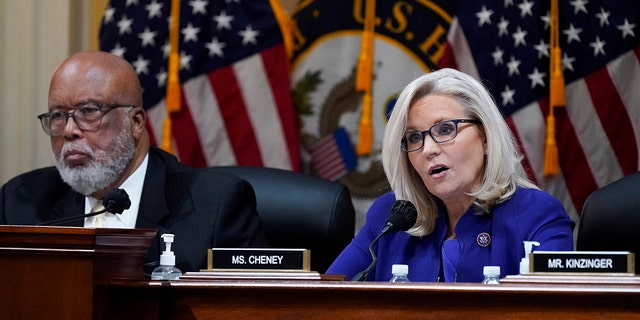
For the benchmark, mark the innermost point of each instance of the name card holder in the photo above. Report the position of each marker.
(582, 262)
(259, 259)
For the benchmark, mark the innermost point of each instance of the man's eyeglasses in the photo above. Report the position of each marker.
(87, 117)
(440, 132)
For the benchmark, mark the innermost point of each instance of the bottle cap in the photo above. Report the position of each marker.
(400, 269)
(491, 270)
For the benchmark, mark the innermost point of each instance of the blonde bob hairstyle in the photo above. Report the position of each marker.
(503, 169)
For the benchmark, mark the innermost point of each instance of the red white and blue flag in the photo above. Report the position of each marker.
(505, 44)
(236, 106)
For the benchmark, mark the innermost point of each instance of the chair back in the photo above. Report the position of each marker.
(610, 219)
(301, 211)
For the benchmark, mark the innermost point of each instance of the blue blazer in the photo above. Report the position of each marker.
(495, 239)
(203, 208)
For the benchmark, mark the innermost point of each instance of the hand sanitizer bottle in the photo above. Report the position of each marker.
(400, 273)
(167, 269)
(524, 262)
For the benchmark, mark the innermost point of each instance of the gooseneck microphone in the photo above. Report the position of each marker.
(402, 217)
(115, 201)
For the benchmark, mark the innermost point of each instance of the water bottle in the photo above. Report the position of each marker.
(400, 272)
(491, 275)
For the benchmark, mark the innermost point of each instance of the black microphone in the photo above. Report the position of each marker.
(115, 201)
(402, 217)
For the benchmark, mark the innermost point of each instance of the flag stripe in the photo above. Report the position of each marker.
(236, 118)
(624, 73)
(614, 119)
(262, 111)
(184, 131)
(209, 122)
(277, 56)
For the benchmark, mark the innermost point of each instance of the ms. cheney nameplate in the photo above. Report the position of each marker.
(259, 259)
(580, 262)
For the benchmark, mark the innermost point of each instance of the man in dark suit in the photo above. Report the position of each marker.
(99, 141)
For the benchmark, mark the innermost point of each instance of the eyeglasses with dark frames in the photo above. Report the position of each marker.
(440, 132)
(87, 117)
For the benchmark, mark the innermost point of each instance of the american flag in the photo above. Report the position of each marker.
(505, 43)
(236, 104)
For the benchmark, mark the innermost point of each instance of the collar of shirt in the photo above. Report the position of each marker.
(133, 187)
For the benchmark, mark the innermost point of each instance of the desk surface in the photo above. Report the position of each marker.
(264, 299)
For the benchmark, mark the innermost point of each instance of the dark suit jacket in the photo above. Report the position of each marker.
(204, 209)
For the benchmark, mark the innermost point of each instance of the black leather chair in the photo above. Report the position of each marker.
(301, 211)
(610, 219)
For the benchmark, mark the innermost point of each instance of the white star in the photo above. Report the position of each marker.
(507, 95)
(199, 6)
(154, 9)
(215, 47)
(542, 48)
(567, 62)
(161, 77)
(603, 16)
(190, 33)
(627, 29)
(525, 8)
(579, 5)
(223, 20)
(141, 65)
(484, 16)
(147, 37)
(118, 50)
(518, 37)
(513, 65)
(497, 56)
(185, 61)
(508, 3)
(108, 14)
(124, 25)
(166, 49)
(130, 2)
(547, 20)
(537, 78)
(598, 46)
(572, 33)
(249, 35)
(502, 27)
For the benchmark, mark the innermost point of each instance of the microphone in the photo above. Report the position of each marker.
(402, 217)
(115, 201)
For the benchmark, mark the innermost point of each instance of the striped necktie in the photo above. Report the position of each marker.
(98, 220)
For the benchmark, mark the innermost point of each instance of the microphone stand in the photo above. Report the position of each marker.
(362, 275)
(67, 219)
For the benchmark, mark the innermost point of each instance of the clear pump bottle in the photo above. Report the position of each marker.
(491, 275)
(167, 269)
(400, 273)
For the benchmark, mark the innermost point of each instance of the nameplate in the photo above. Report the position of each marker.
(248, 259)
(583, 262)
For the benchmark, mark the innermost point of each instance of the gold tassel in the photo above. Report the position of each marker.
(173, 98)
(285, 26)
(364, 79)
(556, 95)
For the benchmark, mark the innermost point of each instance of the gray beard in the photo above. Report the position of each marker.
(104, 170)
